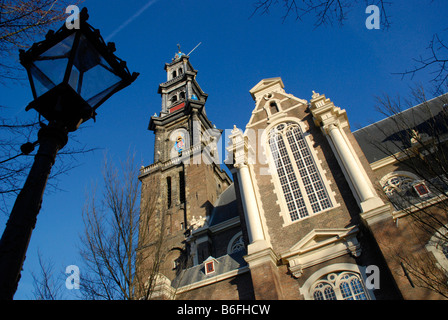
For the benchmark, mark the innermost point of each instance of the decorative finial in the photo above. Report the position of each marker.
(235, 130)
(315, 95)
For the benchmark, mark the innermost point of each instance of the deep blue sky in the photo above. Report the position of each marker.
(349, 64)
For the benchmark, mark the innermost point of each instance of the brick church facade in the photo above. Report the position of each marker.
(303, 214)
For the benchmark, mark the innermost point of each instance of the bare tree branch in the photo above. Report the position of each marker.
(22, 22)
(436, 64)
(117, 228)
(46, 285)
(415, 137)
(324, 11)
(15, 164)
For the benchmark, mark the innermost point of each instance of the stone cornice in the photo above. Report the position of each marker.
(261, 257)
(325, 113)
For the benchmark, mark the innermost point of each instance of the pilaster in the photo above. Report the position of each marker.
(240, 150)
(261, 259)
(332, 120)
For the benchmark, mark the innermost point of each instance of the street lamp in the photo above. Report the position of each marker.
(71, 73)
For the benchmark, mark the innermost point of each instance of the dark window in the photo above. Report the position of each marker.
(274, 107)
(168, 186)
(181, 187)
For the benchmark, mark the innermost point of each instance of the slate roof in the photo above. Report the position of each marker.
(225, 208)
(223, 265)
(394, 133)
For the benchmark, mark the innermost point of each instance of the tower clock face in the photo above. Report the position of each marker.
(181, 142)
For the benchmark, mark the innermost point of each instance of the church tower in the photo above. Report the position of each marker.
(180, 187)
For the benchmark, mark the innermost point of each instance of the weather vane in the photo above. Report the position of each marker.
(180, 53)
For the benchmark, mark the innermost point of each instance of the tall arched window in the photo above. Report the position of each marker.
(303, 188)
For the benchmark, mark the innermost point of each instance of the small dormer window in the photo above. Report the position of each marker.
(174, 74)
(173, 99)
(421, 189)
(181, 71)
(209, 265)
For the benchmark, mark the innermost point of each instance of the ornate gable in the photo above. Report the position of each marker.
(271, 101)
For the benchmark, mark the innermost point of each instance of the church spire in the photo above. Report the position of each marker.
(180, 88)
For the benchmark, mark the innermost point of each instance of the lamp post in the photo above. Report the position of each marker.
(72, 72)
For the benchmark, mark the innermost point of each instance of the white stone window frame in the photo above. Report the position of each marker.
(307, 288)
(284, 212)
(435, 246)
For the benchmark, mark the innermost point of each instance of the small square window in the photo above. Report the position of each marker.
(421, 189)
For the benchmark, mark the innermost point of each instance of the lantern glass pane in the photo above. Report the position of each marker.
(48, 69)
(92, 77)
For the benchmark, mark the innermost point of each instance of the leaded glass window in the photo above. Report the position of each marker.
(324, 291)
(237, 245)
(303, 188)
(339, 286)
(405, 189)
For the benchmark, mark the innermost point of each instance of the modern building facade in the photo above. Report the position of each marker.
(305, 213)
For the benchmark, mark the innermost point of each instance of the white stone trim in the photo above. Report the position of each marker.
(321, 245)
(389, 175)
(262, 256)
(161, 288)
(260, 206)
